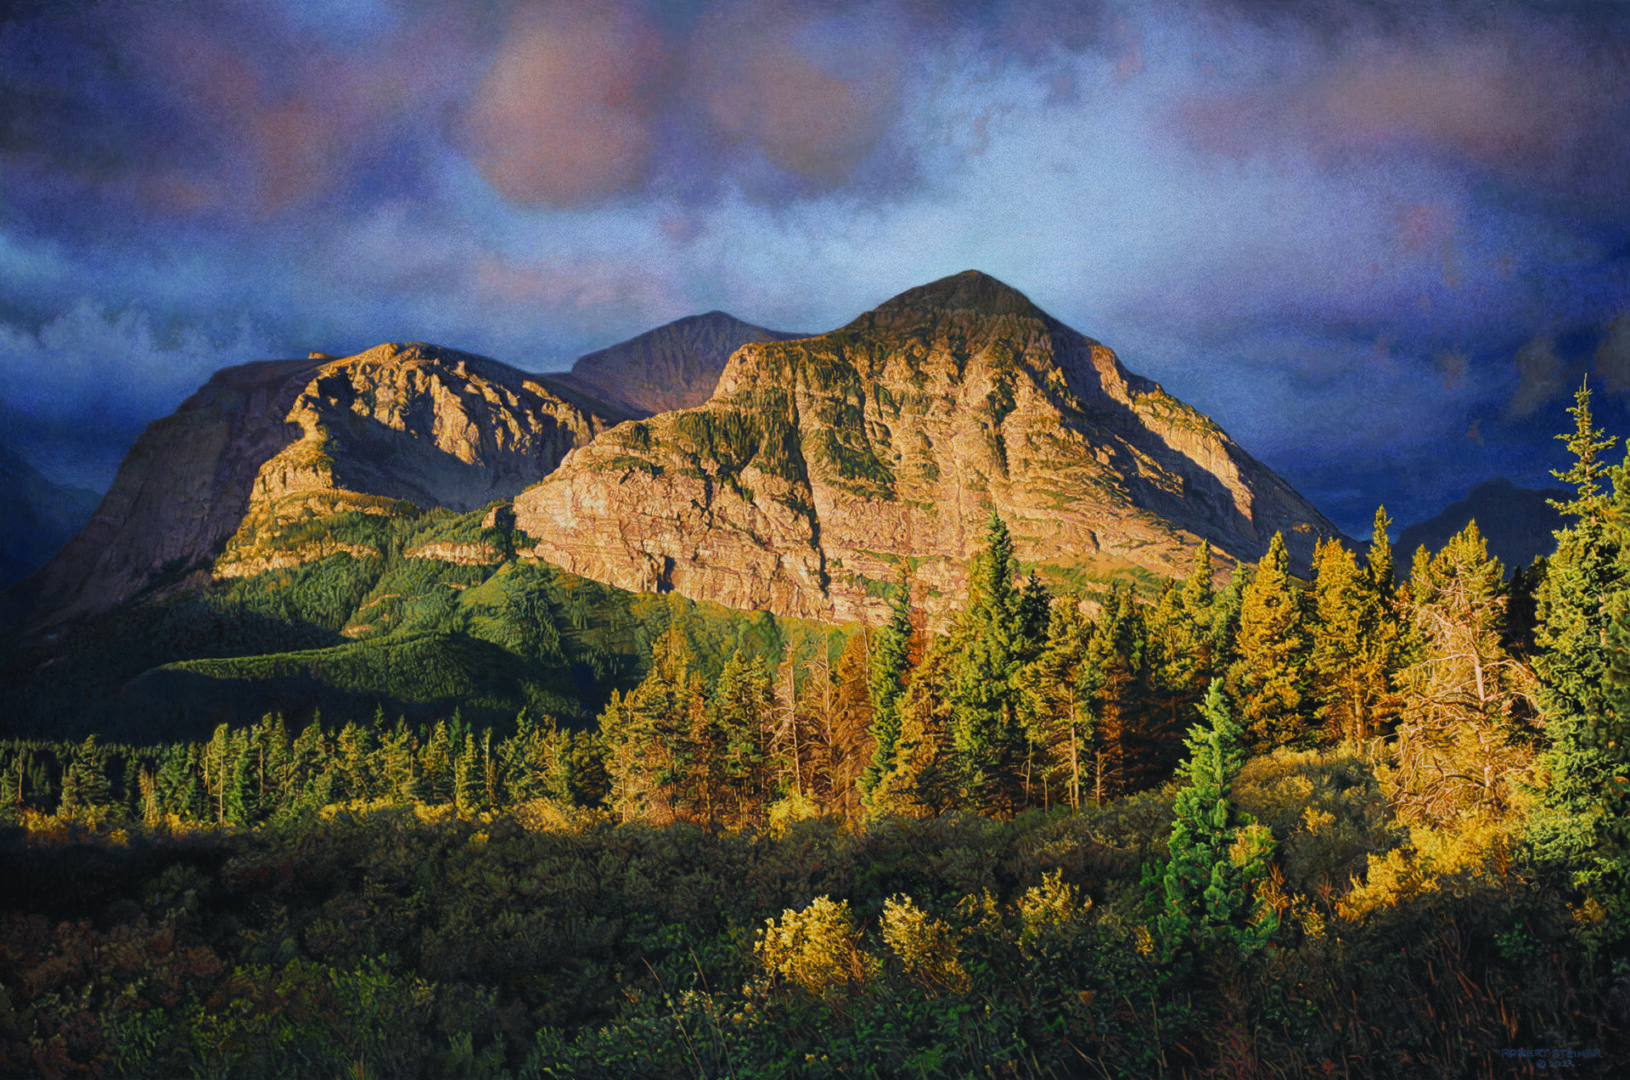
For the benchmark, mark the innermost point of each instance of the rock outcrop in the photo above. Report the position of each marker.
(676, 366)
(265, 443)
(820, 465)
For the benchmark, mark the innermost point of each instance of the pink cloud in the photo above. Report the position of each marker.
(1529, 102)
(767, 76)
(275, 127)
(563, 115)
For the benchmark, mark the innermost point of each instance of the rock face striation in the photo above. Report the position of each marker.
(676, 366)
(821, 465)
(270, 441)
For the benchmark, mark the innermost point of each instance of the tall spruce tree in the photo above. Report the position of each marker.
(1581, 605)
(1056, 699)
(1355, 639)
(991, 647)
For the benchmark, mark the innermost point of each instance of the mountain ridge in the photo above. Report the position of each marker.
(260, 442)
(674, 366)
(822, 464)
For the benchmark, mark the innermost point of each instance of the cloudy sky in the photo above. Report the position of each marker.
(1380, 243)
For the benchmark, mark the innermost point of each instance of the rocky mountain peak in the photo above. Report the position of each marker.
(971, 290)
(823, 464)
(285, 439)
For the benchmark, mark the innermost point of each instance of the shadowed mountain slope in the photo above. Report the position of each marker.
(37, 516)
(1516, 522)
(676, 366)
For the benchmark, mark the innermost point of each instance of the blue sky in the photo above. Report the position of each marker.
(1380, 243)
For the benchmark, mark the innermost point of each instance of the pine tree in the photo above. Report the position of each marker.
(992, 643)
(1217, 852)
(1113, 676)
(647, 732)
(1581, 612)
(1177, 672)
(890, 662)
(1057, 708)
(469, 788)
(1354, 639)
(1461, 744)
(849, 746)
(240, 804)
(436, 760)
(589, 781)
(400, 779)
(924, 779)
(1268, 679)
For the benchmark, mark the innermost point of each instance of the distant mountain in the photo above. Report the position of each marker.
(37, 517)
(1516, 522)
(822, 464)
(676, 366)
(275, 442)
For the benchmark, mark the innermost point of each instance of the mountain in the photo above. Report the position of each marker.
(820, 465)
(1516, 522)
(676, 366)
(266, 445)
(37, 516)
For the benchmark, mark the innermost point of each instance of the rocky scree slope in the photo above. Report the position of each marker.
(820, 465)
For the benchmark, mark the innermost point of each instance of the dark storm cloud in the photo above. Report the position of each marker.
(1350, 231)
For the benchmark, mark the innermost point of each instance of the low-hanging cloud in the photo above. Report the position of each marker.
(1613, 355)
(1539, 378)
(80, 386)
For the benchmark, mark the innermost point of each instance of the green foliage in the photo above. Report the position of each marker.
(1268, 679)
(1583, 826)
(1216, 852)
(890, 661)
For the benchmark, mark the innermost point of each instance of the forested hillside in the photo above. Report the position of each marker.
(1261, 827)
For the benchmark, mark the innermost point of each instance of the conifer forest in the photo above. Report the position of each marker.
(1366, 824)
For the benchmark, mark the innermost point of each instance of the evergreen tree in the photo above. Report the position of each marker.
(1354, 637)
(646, 733)
(992, 644)
(890, 661)
(1216, 851)
(1057, 707)
(400, 779)
(217, 770)
(1267, 681)
(924, 779)
(588, 779)
(729, 751)
(1461, 744)
(1581, 691)
(240, 800)
(849, 746)
(1112, 679)
(469, 787)
(1176, 673)
(436, 764)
